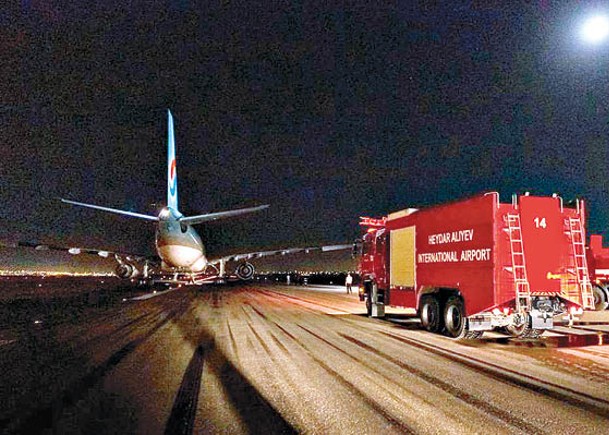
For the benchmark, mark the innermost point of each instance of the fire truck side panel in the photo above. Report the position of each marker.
(454, 250)
(402, 266)
(545, 243)
(402, 257)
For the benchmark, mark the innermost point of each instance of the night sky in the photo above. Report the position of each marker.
(327, 111)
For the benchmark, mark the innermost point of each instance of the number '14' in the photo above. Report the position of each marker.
(540, 223)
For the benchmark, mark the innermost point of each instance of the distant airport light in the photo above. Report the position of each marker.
(595, 29)
(74, 251)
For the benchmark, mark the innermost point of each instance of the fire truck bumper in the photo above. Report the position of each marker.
(488, 321)
(481, 322)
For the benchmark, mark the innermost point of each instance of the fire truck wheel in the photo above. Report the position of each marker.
(515, 331)
(454, 318)
(524, 330)
(431, 318)
(600, 298)
(533, 333)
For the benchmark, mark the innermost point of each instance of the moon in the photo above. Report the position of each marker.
(595, 29)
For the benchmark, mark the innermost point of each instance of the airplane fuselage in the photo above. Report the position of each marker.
(178, 244)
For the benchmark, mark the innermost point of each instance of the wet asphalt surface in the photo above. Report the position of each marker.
(272, 359)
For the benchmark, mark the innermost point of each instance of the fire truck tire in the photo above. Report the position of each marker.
(455, 321)
(523, 331)
(600, 298)
(431, 316)
(514, 331)
(533, 333)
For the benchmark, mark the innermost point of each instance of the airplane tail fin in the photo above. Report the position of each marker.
(172, 176)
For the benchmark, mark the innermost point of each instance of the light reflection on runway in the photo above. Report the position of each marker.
(272, 359)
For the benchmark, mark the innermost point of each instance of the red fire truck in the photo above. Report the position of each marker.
(479, 264)
(598, 263)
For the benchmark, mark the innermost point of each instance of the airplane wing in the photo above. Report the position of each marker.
(142, 257)
(76, 250)
(260, 254)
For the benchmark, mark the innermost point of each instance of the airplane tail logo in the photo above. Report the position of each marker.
(172, 176)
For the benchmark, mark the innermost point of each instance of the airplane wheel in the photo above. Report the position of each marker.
(245, 271)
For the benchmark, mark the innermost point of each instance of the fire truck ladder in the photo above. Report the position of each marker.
(581, 266)
(519, 270)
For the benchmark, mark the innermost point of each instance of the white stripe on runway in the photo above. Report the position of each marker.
(153, 295)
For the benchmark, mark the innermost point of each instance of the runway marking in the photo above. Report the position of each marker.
(153, 295)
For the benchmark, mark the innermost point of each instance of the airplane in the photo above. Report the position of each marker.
(180, 250)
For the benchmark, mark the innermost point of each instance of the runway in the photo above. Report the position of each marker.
(276, 359)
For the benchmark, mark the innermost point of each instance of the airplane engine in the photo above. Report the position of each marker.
(245, 271)
(126, 271)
